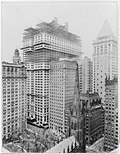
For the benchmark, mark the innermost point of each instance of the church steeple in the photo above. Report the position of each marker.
(105, 30)
(16, 57)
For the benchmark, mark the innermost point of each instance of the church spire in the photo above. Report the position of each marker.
(105, 30)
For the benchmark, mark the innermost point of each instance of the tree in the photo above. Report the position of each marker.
(72, 124)
(75, 126)
(36, 147)
(4, 140)
(28, 148)
(22, 148)
(23, 145)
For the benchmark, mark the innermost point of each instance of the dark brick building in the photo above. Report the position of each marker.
(94, 117)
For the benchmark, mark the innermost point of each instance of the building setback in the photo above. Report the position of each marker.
(41, 45)
(85, 75)
(94, 117)
(62, 82)
(111, 115)
(14, 98)
(105, 59)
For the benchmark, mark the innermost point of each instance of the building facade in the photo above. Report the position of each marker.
(111, 115)
(41, 45)
(86, 75)
(94, 117)
(62, 82)
(38, 79)
(105, 59)
(14, 98)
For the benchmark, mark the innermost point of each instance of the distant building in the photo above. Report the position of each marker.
(111, 115)
(47, 42)
(62, 82)
(86, 75)
(94, 117)
(16, 57)
(105, 59)
(14, 97)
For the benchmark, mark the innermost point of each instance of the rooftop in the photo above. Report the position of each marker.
(88, 94)
(116, 150)
(54, 28)
(63, 145)
(109, 82)
(105, 30)
(4, 63)
(97, 147)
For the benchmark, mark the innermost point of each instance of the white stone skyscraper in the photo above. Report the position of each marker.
(62, 83)
(45, 43)
(104, 58)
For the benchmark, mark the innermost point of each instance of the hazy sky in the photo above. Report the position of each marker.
(84, 18)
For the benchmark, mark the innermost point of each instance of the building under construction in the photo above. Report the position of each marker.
(45, 43)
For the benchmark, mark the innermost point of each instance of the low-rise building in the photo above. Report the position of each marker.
(94, 117)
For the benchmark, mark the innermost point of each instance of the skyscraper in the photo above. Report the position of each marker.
(14, 97)
(111, 115)
(105, 59)
(86, 75)
(47, 42)
(62, 82)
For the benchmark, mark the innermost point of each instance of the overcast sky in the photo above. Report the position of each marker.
(84, 18)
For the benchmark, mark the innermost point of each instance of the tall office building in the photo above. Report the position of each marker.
(86, 75)
(105, 59)
(62, 82)
(47, 42)
(14, 97)
(111, 115)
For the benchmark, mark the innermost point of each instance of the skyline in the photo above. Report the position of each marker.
(52, 99)
(82, 18)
